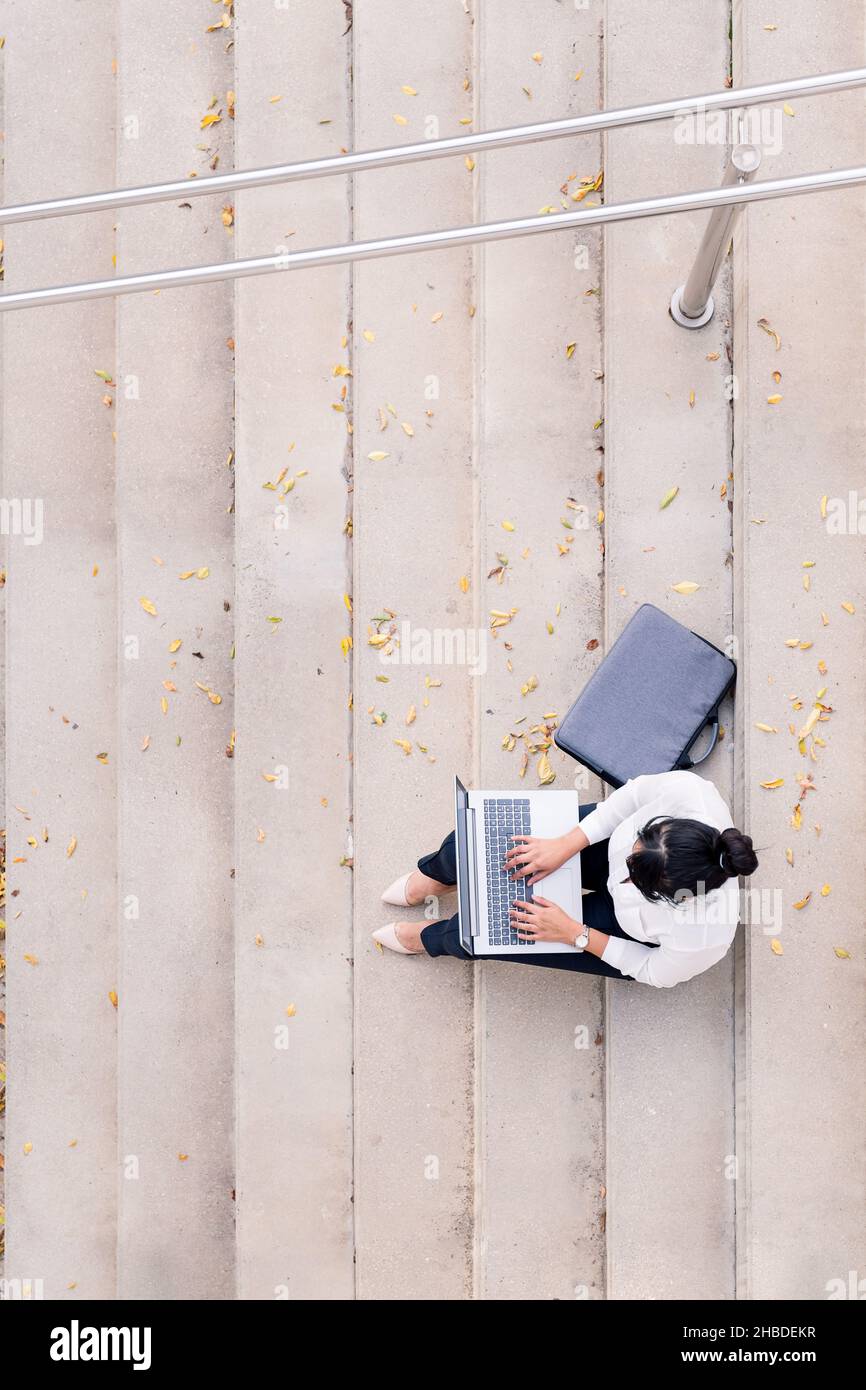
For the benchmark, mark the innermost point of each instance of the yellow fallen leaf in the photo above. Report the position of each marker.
(31, 960)
(409, 91)
(411, 715)
(686, 586)
(464, 584)
(28, 1147)
(404, 744)
(767, 728)
(826, 890)
(849, 607)
(377, 456)
(148, 606)
(803, 902)
(668, 498)
(175, 645)
(773, 400)
(71, 847)
(841, 953)
(290, 1010)
(776, 946)
(776, 782)
(507, 525)
(546, 774)
(763, 324)
(112, 994)
(400, 120)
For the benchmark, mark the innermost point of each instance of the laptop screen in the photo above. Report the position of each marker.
(461, 803)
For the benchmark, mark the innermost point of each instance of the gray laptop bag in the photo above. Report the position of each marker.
(648, 702)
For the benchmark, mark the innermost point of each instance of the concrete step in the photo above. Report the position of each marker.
(293, 926)
(176, 851)
(413, 540)
(62, 925)
(800, 1080)
(670, 1099)
(540, 1116)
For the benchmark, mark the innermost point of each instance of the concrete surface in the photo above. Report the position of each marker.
(61, 678)
(802, 1092)
(413, 540)
(293, 908)
(276, 1109)
(540, 1082)
(174, 491)
(668, 424)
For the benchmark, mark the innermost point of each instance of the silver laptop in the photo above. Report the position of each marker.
(486, 823)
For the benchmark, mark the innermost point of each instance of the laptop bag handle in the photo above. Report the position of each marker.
(686, 762)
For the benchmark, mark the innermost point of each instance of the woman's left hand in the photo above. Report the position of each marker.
(541, 920)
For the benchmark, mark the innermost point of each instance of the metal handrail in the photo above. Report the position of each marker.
(727, 196)
(691, 305)
(817, 83)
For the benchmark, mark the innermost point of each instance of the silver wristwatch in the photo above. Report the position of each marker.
(581, 942)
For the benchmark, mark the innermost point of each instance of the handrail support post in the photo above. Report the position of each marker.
(692, 304)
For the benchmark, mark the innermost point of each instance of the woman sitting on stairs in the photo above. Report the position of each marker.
(661, 858)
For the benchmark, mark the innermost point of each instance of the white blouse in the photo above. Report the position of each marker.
(696, 933)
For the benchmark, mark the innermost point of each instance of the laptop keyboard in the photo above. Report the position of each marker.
(503, 819)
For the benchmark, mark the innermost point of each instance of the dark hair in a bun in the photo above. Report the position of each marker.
(680, 856)
(736, 853)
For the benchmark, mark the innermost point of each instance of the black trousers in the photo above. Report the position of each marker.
(443, 938)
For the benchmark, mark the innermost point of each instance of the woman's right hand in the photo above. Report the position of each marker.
(533, 858)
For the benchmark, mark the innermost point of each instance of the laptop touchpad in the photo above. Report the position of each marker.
(562, 888)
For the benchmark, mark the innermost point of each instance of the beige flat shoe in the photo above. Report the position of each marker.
(396, 893)
(387, 936)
